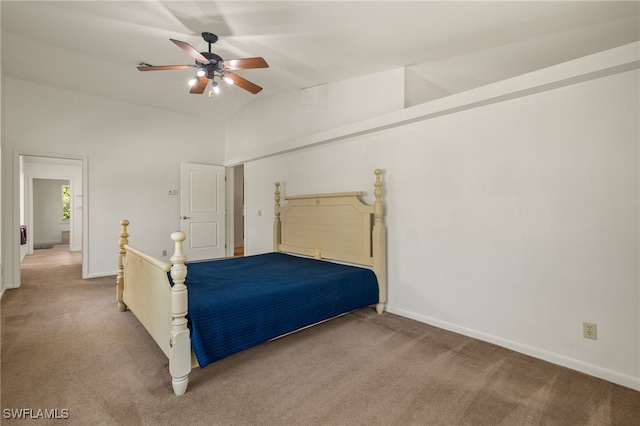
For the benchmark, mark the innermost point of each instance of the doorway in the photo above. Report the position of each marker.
(236, 207)
(51, 206)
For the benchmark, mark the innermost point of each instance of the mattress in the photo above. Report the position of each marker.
(238, 303)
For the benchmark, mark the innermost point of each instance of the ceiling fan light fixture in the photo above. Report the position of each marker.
(215, 87)
(209, 65)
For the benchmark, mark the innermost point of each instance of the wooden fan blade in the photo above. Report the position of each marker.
(164, 67)
(190, 50)
(200, 85)
(244, 83)
(245, 64)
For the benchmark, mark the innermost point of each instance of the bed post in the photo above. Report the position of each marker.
(379, 243)
(180, 343)
(276, 222)
(124, 239)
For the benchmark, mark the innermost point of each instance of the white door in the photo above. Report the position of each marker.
(202, 210)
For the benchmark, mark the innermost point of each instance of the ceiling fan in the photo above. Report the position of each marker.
(210, 65)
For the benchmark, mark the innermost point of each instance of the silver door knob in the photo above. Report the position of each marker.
(185, 217)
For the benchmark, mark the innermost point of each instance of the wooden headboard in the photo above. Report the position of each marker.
(336, 227)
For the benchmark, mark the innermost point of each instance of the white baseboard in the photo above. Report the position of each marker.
(48, 242)
(101, 275)
(555, 358)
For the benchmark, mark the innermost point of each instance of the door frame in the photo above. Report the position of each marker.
(232, 194)
(15, 211)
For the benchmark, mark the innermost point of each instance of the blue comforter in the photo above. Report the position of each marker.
(238, 303)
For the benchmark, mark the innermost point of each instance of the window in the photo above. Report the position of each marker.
(66, 202)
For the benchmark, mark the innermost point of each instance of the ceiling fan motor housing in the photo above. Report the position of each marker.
(214, 59)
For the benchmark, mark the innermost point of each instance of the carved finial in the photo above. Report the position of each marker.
(178, 274)
(276, 195)
(178, 236)
(276, 198)
(124, 236)
(378, 185)
(378, 193)
(178, 255)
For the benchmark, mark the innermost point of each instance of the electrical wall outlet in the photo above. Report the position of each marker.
(164, 252)
(590, 330)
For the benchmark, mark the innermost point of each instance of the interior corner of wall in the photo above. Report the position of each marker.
(418, 90)
(315, 96)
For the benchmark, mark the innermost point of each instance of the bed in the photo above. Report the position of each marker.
(329, 258)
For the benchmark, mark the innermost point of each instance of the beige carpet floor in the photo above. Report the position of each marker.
(66, 347)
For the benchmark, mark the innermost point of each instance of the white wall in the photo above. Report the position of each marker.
(512, 221)
(272, 120)
(133, 157)
(2, 277)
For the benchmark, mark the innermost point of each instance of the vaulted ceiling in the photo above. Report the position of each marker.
(95, 46)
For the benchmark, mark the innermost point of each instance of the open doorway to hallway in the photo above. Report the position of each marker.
(51, 207)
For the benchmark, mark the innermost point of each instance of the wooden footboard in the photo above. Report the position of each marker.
(144, 288)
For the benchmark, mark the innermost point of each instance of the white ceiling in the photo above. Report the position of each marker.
(95, 46)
